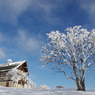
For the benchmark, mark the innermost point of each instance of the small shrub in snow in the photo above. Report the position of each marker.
(43, 87)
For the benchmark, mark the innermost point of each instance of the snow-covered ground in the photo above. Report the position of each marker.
(23, 91)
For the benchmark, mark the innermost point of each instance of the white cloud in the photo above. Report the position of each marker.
(2, 54)
(22, 42)
(1, 37)
(89, 8)
(27, 41)
(48, 8)
(11, 9)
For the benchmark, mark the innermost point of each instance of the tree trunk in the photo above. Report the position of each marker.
(80, 82)
(80, 85)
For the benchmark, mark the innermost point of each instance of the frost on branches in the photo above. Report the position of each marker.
(76, 49)
(17, 75)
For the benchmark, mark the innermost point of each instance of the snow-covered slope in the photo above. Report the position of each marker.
(23, 91)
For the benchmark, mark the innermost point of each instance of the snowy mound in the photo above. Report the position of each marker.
(23, 91)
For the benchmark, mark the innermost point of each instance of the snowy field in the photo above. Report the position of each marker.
(22, 91)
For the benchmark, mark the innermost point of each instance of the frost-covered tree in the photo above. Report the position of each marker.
(75, 50)
(16, 75)
(32, 84)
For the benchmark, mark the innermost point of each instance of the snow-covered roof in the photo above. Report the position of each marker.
(9, 66)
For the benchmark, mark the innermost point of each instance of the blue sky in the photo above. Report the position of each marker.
(23, 28)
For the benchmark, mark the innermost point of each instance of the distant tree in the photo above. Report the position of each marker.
(75, 50)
